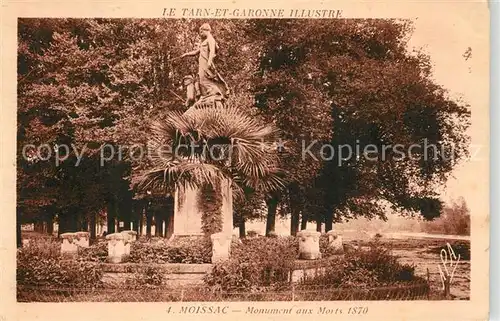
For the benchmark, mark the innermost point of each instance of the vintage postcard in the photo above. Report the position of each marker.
(263, 160)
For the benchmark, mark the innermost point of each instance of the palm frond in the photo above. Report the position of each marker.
(181, 175)
(247, 144)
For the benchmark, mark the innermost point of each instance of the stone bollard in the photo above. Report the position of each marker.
(132, 234)
(69, 245)
(116, 248)
(309, 245)
(221, 246)
(335, 242)
(82, 239)
(128, 238)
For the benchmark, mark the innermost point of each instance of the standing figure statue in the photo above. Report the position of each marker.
(210, 81)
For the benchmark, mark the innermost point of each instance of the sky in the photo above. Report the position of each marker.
(446, 40)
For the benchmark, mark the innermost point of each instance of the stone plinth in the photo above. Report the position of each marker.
(132, 235)
(335, 242)
(69, 245)
(116, 248)
(307, 269)
(309, 245)
(221, 246)
(128, 238)
(187, 214)
(82, 239)
(227, 207)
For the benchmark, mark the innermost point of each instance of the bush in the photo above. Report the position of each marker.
(323, 245)
(364, 268)
(374, 258)
(181, 250)
(43, 247)
(40, 265)
(255, 263)
(149, 276)
(97, 252)
(454, 219)
(381, 262)
(461, 248)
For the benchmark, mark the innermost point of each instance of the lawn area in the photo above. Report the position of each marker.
(424, 254)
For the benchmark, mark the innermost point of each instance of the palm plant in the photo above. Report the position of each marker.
(209, 144)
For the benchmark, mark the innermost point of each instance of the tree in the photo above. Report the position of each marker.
(454, 219)
(209, 145)
(249, 207)
(353, 84)
(350, 83)
(90, 82)
(82, 85)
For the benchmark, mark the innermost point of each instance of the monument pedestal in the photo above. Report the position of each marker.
(187, 214)
(227, 208)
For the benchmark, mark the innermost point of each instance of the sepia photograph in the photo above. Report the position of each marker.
(247, 159)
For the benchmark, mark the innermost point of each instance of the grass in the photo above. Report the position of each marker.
(427, 245)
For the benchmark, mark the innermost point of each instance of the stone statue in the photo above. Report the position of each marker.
(210, 81)
(192, 90)
(209, 89)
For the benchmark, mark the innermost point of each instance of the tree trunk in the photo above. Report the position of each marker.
(141, 221)
(294, 200)
(158, 224)
(111, 217)
(84, 224)
(92, 224)
(72, 221)
(328, 223)
(135, 225)
(61, 220)
(318, 225)
(272, 206)
(38, 226)
(294, 222)
(241, 227)
(125, 214)
(169, 220)
(67, 222)
(136, 212)
(19, 240)
(303, 223)
(149, 220)
(319, 222)
(49, 221)
(169, 225)
(126, 224)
